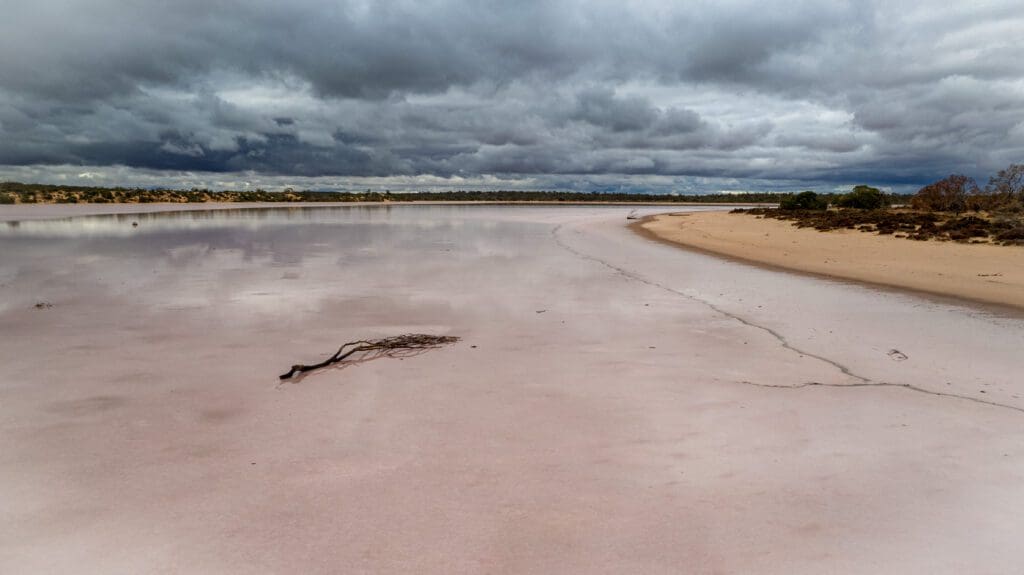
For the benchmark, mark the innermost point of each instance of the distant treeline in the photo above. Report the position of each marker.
(935, 210)
(14, 192)
(957, 193)
(1004, 194)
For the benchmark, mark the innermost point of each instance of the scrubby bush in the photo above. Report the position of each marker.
(966, 228)
(1008, 184)
(949, 194)
(1004, 192)
(1012, 236)
(803, 201)
(6, 199)
(863, 198)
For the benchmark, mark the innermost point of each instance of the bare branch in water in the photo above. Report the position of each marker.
(374, 348)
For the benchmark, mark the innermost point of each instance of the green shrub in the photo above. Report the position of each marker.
(803, 201)
(6, 199)
(863, 198)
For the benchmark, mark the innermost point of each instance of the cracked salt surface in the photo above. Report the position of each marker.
(862, 381)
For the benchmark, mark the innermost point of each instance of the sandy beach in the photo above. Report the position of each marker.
(982, 273)
(615, 405)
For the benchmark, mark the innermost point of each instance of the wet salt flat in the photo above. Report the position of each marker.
(615, 404)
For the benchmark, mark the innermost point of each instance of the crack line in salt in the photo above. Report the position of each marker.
(862, 381)
(907, 386)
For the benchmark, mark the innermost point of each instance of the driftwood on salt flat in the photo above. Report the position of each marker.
(396, 346)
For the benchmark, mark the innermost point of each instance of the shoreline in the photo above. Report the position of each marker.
(23, 212)
(879, 261)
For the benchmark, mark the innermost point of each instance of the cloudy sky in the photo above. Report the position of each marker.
(667, 96)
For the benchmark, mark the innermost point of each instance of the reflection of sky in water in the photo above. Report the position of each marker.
(120, 225)
(272, 259)
(410, 268)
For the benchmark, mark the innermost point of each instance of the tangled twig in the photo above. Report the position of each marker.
(373, 348)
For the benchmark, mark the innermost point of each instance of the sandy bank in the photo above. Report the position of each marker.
(982, 273)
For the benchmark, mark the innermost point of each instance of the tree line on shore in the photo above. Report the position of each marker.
(15, 192)
(937, 210)
(957, 193)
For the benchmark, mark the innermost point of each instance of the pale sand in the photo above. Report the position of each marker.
(982, 273)
(626, 429)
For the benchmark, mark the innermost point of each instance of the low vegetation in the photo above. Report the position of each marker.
(804, 201)
(13, 192)
(954, 208)
(915, 225)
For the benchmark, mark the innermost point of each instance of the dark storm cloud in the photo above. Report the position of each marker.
(602, 109)
(893, 92)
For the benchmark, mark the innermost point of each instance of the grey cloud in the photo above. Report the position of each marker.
(602, 109)
(676, 121)
(884, 92)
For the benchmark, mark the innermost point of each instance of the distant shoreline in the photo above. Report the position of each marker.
(36, 211)
(980, 274)
(21, 193)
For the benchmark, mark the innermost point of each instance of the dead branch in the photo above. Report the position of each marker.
(396, 346)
